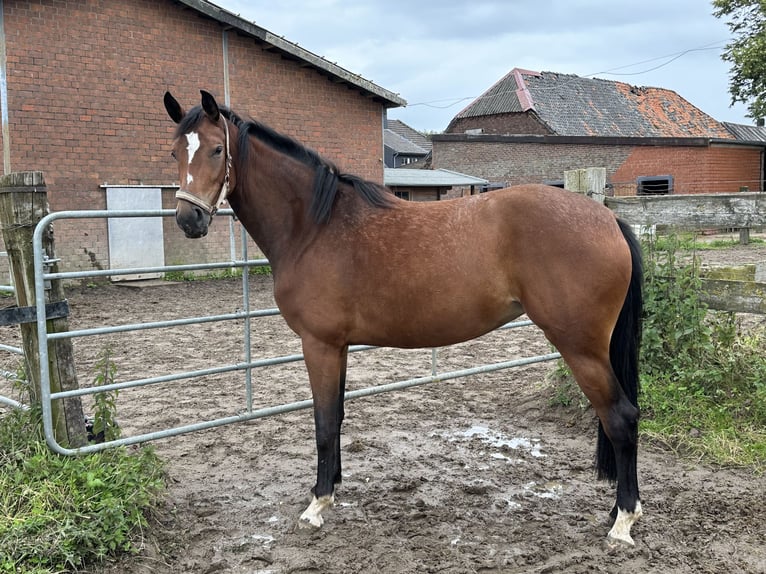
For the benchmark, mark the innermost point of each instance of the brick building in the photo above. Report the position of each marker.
(530, 127)
(82, 102)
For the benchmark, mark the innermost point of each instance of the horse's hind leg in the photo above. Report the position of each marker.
(616, 457)
(326, 366)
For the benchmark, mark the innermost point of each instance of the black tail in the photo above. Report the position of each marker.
(623, 350)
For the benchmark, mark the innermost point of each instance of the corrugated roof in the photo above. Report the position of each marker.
(428, 178)
(747, 133)
(573, 106)
(293, 51)
(501, 98)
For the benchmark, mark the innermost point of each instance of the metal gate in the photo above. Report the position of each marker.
(246, 365)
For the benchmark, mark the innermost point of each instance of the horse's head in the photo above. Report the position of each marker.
(202, 148)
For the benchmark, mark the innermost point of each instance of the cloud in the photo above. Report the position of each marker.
(436, 52)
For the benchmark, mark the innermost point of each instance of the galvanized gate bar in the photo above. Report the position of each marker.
(246, 365)
(161, 324)
(305, 404)
(11, 349)
(246, 335)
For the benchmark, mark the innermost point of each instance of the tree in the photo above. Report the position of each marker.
(746, 52)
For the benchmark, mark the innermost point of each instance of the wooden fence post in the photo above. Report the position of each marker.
(23, 203)
(590, 181)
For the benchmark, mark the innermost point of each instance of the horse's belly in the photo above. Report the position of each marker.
(432, 325)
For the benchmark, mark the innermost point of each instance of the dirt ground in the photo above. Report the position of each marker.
(482, 474)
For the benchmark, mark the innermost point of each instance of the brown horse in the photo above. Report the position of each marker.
(353, 264)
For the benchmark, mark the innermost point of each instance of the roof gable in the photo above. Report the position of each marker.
(292, 51)
(569, 105)
(401, 145)
(408, 133)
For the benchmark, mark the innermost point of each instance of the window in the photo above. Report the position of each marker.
(655, 185)
(402, 195)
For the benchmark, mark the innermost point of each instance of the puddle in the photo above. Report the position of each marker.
(499, 441)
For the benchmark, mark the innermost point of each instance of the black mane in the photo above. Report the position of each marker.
(327, 177)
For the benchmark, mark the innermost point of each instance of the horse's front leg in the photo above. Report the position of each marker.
(326, 365)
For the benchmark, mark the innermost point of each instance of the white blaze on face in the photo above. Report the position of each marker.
(192, 145)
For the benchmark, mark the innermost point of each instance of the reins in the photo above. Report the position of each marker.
(211, 209)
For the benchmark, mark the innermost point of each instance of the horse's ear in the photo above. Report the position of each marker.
(210, 106)
(174, 109)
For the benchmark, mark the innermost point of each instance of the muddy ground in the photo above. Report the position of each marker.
(483, 474)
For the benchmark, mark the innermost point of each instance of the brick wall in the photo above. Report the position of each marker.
(515, 164)
(516, 123)
(717, 169)
(714, 169)
(85, 86)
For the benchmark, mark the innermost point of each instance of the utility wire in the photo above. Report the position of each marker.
(438, 104)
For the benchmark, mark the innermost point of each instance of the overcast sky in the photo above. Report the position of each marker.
(441, 54)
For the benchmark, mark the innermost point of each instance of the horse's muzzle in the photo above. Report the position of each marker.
(192, 220)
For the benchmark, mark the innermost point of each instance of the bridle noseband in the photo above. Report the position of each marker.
(211, 209)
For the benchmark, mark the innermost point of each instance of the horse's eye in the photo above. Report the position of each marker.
(218, 150)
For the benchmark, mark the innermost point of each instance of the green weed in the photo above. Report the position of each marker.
(105, 426)
(59, 513)
(703, 377)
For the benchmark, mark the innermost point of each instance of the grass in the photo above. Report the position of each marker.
(223, 274)
(60, 513)
(703, 375)
(702, 427)
(692, 242)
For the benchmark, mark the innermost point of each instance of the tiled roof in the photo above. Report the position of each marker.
(573, 106)
(409, 133)
(400, 144)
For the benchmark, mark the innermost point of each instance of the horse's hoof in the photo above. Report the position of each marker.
(307, 524)
(620, 541)
(619, 535)
(312, 516)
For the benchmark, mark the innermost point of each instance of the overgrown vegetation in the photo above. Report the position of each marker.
(703, 375)
(691, 242)
(60, 513)
(223, 274)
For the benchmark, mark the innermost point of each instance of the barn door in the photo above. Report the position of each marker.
(135, 241)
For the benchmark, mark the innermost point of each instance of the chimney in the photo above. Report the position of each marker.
(760, 122)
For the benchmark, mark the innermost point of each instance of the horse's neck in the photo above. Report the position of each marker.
(273, 203)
